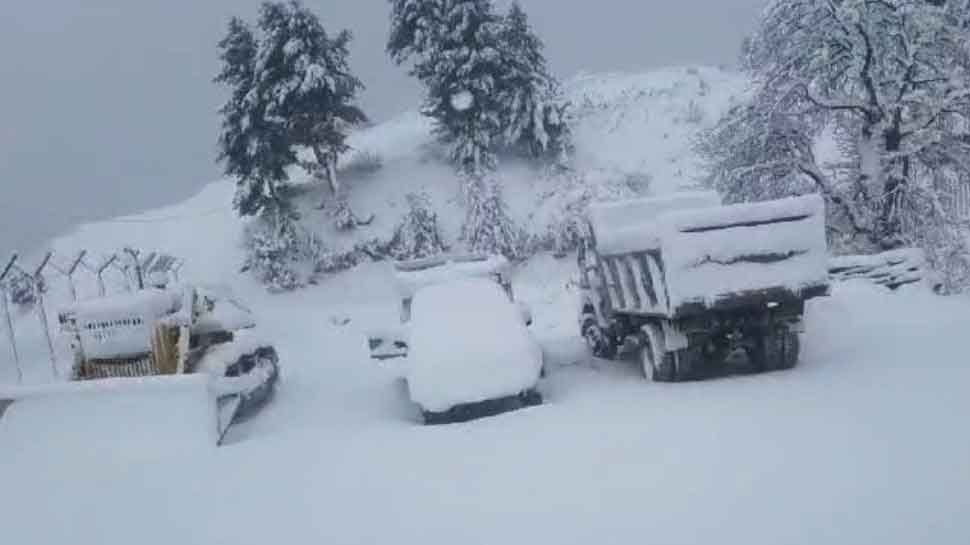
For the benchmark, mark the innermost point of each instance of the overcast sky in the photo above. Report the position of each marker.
(107, 106)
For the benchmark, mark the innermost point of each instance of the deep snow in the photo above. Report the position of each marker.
(859, 444)
(863, 442)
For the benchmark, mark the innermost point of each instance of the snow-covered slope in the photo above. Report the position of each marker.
(632, 135)
(859, 444)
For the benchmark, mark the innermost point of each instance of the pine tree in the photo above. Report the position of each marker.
(488, 86)
(452, 45)
(536, 120)
(418, 235)
(308, 81)
(253, 145)
(488, 227)
(291, 88)
(415, 27)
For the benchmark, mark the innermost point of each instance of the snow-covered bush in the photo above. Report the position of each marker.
(22, 290)
(488, 227)
(280, 256)
(568, 232)
(344, 218)
(417, 235)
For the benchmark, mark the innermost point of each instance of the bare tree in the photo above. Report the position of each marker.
(890, 80)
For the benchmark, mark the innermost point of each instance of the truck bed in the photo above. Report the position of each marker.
(717, 257)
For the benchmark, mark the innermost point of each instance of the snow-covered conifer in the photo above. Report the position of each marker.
(291, 88)
(417, 235)
(535, 112)
(453, 49)
(252, 145)
(488, 227)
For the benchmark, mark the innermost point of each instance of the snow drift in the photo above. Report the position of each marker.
(101, 417)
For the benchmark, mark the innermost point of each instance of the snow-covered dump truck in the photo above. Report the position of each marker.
(174, 331)
(467, 346)
(687, 281)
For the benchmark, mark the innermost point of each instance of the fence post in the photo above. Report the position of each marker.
(175, 270)
(11, 337)
(139, 279)
(72, 270)
(38, 278)
(101, 288)
(6, 312)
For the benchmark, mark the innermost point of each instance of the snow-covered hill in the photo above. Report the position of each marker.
(632, 135)
(861, 443)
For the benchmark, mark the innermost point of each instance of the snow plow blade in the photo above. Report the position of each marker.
(150, 414)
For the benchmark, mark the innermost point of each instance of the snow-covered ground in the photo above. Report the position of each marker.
(863, 442)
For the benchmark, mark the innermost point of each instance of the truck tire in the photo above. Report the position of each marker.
(775, 349)
(688, 363)
(600, 342)
(656, 363)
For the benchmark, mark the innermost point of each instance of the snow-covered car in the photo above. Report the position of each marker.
(469, 352)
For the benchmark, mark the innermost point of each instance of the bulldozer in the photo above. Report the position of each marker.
(158, 368)
(169, 331)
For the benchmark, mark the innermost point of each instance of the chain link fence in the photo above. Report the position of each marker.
(31, 288)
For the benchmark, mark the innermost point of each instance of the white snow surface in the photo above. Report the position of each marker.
(221, 356)
(78, 423)
(861, 443)
(708, 264)
(122, 325)
(707, 250)
(150, 304)
(903, 256)
(441, 270)
(468, 343)
(462, 101)
(630, 225)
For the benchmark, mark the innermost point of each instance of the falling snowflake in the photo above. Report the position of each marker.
(462, 101)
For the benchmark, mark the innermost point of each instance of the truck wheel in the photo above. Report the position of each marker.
(776, 349)
(689, 363)
(600, 342)
(656, 363)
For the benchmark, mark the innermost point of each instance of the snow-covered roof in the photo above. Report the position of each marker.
(628, 225)
(148, 304)
(468, 343)
(411, 276)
